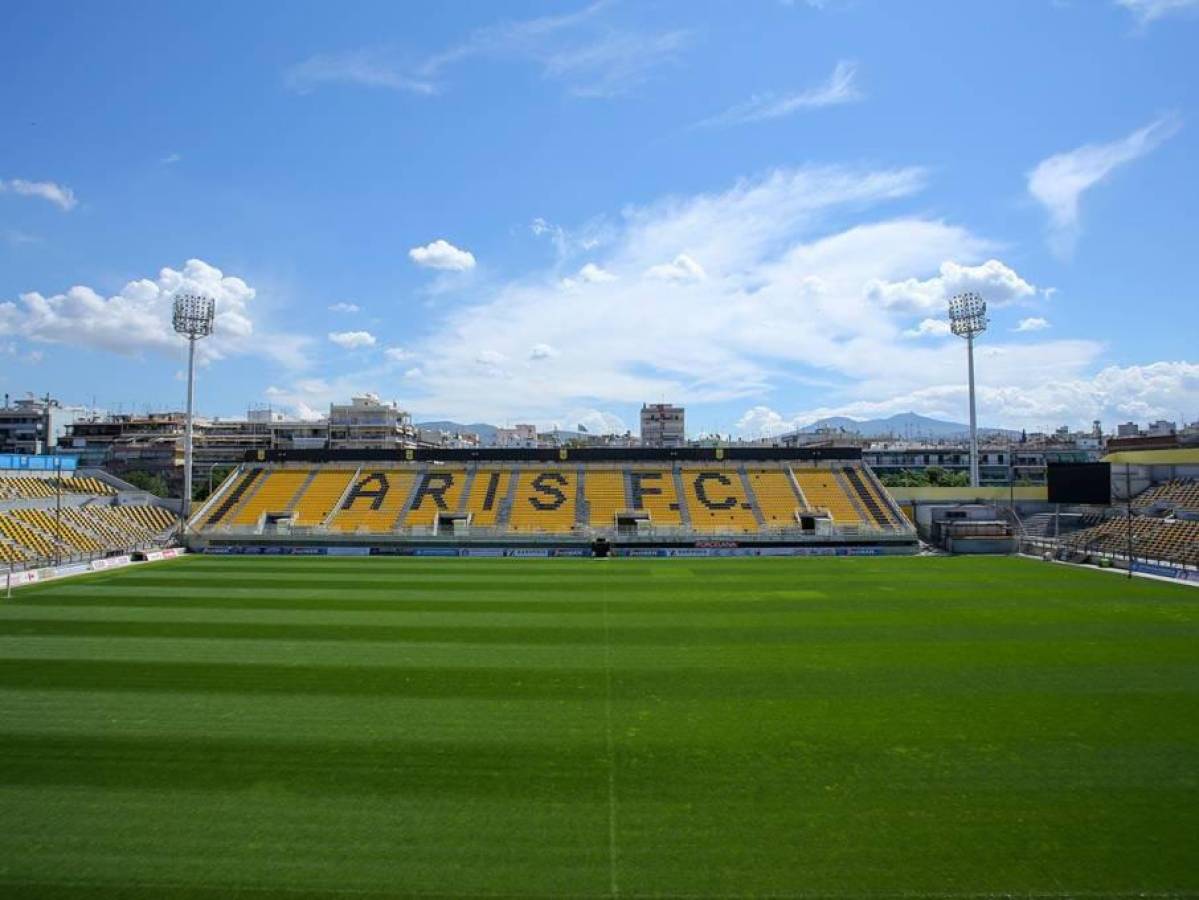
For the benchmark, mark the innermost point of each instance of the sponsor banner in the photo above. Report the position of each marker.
(343, 551)
(111, 562)
(220, 551)
(435, 551)
(530, 552)
(16, 579)
(1179, 574)
(711, 552)
(154, 556)
(483, 551)
(572, 551)
(172, 552)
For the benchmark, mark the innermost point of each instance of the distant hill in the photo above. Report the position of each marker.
(905, 425)
(485, 432)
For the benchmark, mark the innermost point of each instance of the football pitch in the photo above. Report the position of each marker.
(844, 728)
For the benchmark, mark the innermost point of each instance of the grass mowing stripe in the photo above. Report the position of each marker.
(790, 728)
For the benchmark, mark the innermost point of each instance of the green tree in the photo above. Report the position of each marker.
(155, 484)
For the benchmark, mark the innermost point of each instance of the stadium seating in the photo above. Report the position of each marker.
(1162, 539)
(716, 501)
(28, 534)
(274, 494)
(373, 502)
(655, 491)
(544, 501)
(777, 496)
(437, 491)
(604, 489)
(552, 498)
(822, 490)
(1175, 494)
(487, 494)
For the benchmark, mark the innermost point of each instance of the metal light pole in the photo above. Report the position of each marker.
(193, 318)
(968, 319)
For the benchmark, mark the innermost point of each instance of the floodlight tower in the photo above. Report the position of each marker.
(968, 319)
(193, 318)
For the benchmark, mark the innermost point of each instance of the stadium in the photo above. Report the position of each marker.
(318, 701)
(599, 450)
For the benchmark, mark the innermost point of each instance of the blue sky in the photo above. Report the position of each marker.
(552, 212)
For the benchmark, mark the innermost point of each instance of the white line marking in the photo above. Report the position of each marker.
(612, 884)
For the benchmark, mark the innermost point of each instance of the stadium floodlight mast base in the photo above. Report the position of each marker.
(193, 318)
(968, 319)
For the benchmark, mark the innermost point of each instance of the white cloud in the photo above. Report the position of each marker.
(344, 307)
(542, 351)
(838, 89)
(1033, 323)
(171, 158)
(1114, 393)
(597, 421)
(762, 421)
(396, 354)
(703, 340)
(929, 328)
(1147, 11)
(352, 340)
(441, 254)
(60, 195)
(590, 273)
(358, 67)
(998, 284)
(1058, 182)
(591, 57)
(681, 268)
(614, 63)
(138, 318)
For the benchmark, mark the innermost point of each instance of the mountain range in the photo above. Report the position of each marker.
(907, 425)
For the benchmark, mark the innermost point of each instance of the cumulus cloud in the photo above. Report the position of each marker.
(590, 273)
(1032, 323)
(786, 301)
(1059, 182)
(997, 283)
(60, 195)
(762, 421)
(352, 340)
(542, 351)
(343, 307)
(929, 328)
(396, 354)
(138, 318)
(681, 268)
(838, 89)
(441, 254)
(597, 421)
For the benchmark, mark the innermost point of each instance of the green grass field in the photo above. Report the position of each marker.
(635, 728)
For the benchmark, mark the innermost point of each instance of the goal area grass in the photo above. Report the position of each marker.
(788, 728)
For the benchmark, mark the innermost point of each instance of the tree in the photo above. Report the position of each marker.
(155, 484)
(200, 490)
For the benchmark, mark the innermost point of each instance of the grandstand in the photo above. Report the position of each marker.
(681, 497)
(46, 517)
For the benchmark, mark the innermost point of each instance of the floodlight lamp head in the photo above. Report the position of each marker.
(967, 315)
(193, 315)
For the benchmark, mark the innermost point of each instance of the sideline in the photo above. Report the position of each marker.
(28, 577)
(1123, 573)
